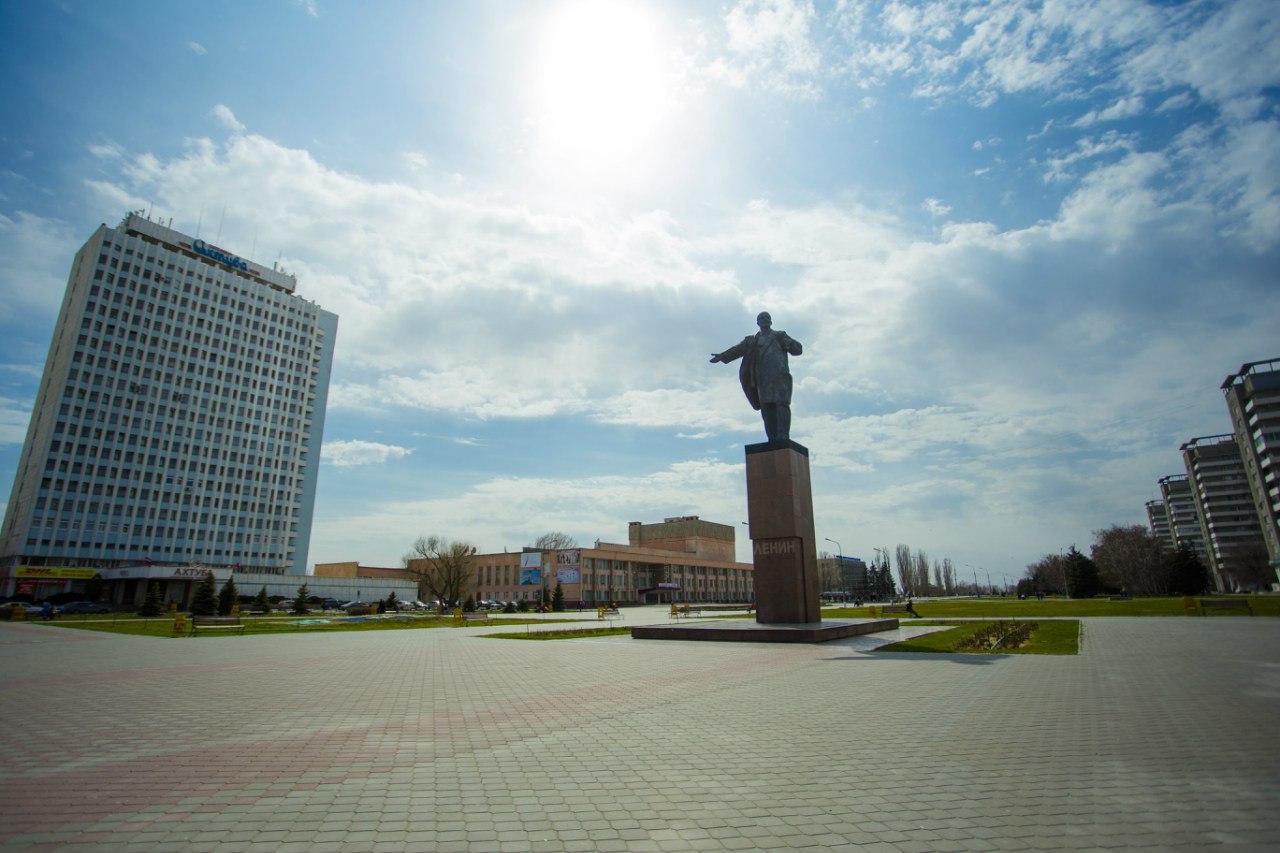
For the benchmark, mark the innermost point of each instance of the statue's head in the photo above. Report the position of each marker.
(763, 320)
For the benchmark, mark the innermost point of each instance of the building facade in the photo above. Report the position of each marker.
(179, 418)
(1224, 504)
(1180, 509)
(1158, 521)
(683, 559)
(1253, 400)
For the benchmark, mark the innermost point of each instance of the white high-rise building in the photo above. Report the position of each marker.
(1228, 518)
(179, 418)
(1253, 399)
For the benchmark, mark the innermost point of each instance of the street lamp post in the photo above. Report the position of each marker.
(839, 556)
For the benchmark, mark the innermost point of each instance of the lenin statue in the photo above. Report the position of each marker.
(765, 376)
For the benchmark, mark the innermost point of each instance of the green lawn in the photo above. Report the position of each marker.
(285, 624)
(565, 634)
(1012, 608)
(1051, 637)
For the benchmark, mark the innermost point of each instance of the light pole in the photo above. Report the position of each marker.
(839, 557)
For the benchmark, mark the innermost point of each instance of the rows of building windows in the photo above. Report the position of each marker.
(604, 579)
(150, 395)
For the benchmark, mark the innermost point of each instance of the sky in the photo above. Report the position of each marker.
(1022, 244)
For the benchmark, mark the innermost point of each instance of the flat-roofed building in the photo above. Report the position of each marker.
(1224, 504)
(682, 559)
(1158, 521)
(1180, 508)
(1253, 399)
(179, 417)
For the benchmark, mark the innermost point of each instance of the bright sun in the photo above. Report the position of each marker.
(600, 89)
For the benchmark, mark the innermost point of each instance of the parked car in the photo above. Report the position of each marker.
(83, 607)
(32, 610)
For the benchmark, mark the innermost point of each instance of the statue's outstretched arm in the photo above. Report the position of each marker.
(733, 353)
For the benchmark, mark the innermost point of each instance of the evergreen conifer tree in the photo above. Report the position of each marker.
(1188, 575)
(153, 604)
(205, 602)
(392, 603)
(300, 601)
(1081, 575)
(228, 597)
(263, 602)
(557, 599)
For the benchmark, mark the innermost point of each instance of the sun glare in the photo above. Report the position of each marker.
(600, 95)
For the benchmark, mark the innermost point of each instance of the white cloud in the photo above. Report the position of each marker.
(585, 508)
(14, 416)
(345, 454)
(770, 45)
(107, 151)
(968, 365)
(196, 48)
(1111, 143)
(934, 207)
(33, 266)
(1132, 49)
(227, 118)
(1121, 109)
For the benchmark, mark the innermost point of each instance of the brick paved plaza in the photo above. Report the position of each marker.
(1161, 735)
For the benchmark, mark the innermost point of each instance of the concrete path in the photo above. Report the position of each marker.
(1161, 735)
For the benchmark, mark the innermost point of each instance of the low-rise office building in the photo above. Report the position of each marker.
(682, 559)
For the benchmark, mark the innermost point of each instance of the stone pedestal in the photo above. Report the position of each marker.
(783, 545)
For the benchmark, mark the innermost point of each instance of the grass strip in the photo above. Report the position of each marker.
(1058, 637)
(163, 627)
(563, 634)
(1013, 608)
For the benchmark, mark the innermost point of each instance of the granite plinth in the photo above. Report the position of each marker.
(743, 631)
(783, 547)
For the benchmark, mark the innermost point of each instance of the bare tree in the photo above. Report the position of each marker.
(1247, 565)
(922, 573)
(830, 578)
(1047, 575)
(554, 540)
(1131, 560)
(442, 568)
(948, 576)
(906, 569)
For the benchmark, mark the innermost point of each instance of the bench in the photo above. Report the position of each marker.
(899, 608)
(607, 613)
(1207, 604)
(474, 617)
(685, 611)
(213, 623)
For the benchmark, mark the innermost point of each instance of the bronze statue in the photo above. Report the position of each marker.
(765, 375)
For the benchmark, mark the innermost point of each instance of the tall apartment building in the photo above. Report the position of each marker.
(1253, 399)
(1224, 504)
(179, 418)
(1158, 521)
(1180, 508)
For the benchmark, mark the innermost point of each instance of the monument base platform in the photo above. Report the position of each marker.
(743, 631)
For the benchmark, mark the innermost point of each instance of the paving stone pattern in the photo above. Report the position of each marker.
(1161, 735)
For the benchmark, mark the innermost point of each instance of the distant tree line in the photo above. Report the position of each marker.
(1122, 561)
